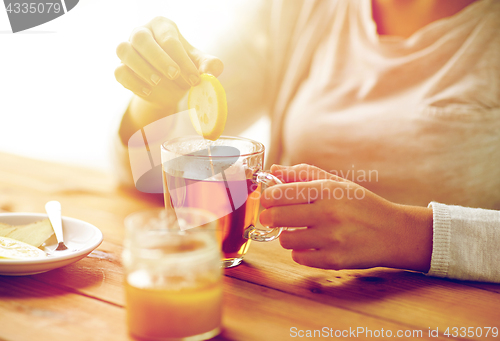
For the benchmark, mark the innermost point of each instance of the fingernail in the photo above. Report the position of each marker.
(146, 91)
(155, 78)
(193, 80)
(172, 72)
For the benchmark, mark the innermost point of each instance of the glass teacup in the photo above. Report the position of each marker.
(224, 177)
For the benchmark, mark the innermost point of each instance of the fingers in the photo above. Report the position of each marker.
(303, 192)
(322, 259)
(130, 80)
(301, 239)
(143, 42)
(133, 60)
(290, 194)
(311, 247)
(302, 172)
(210, 64)
(289, 216)
(168, 38)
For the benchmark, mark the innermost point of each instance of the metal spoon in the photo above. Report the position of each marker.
(53, 209)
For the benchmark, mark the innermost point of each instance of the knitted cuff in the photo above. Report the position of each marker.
(441, 237)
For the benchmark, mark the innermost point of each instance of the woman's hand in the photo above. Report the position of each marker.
(159, 65)
(345, 226)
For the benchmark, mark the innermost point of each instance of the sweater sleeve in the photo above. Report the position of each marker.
(466, 243)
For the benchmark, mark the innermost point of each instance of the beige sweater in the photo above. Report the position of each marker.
(414, 120)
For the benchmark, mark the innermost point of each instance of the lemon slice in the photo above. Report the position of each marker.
(14, 249)
(208, 107)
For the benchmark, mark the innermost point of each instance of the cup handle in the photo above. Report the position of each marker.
(260, 235)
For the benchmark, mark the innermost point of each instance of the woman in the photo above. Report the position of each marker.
(405, 91)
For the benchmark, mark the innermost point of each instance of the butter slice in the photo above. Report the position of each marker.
(33, 234)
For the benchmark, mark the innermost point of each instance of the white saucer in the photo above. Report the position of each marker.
(80, 237)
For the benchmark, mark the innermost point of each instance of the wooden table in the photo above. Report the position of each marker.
(268, 297)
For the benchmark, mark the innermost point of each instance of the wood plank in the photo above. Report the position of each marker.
(257, 313)
(385, 297)
(100, 276)
(32, 310)
(278, 315)
(84, 194)
(412, 299)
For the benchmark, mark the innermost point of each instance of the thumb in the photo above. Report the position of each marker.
(205, 62)
(211, 64)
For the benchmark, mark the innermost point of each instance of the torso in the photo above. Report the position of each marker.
(413, 120)
(403, 18)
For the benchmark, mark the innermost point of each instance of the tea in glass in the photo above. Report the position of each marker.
(224, 177)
